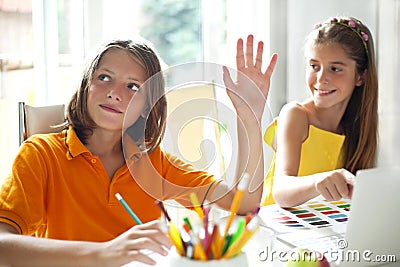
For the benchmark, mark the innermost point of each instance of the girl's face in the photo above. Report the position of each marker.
(115, 82)
(331, 75)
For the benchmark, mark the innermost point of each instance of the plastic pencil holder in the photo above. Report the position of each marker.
(176, 260)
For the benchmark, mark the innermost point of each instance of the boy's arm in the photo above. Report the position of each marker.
(248, 95)
(21, 250)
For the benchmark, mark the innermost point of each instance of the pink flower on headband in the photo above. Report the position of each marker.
(349, 24)
(365, 36)
(316, 26)
(352, 24)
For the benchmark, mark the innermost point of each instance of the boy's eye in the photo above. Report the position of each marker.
(103, 77)
(336, 69)
(313, 66)
(133, 87)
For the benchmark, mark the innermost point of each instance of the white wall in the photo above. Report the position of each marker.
(388, 55)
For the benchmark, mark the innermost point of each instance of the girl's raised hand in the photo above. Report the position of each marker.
(250, 91)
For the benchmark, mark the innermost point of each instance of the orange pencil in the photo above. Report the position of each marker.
(198, 249)
(236, 200)
(217, 243)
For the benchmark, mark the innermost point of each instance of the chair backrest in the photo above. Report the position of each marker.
(39, 119)
(192, 131)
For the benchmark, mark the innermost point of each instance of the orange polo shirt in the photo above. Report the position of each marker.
(58, 189)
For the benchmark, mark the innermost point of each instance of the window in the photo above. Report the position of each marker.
(16, 79)
(40, 51)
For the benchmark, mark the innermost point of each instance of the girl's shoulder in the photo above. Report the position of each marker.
(294, 111)
(294, 120)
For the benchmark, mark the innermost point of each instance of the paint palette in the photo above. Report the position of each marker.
(316, 213)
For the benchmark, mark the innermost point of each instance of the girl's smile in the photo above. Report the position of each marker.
(324, 92)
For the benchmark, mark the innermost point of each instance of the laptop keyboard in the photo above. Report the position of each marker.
(322, 244)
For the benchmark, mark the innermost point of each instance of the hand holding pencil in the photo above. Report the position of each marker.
(138, 243)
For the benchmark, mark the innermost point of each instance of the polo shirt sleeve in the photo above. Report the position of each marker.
(182, 179)
(22, 194)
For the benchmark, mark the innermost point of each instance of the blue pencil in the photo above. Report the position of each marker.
(128, 209)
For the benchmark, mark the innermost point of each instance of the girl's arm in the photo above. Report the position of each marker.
(289, 189)
(248, 95)
(20, 250)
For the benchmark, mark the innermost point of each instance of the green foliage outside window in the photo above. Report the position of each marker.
(175, 29)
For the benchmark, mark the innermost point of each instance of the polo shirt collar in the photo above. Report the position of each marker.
(132, 151)
(74, 145)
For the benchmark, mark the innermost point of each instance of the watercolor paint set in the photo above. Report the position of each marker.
(316, 213)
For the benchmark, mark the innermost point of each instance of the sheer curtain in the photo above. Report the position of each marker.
(388, 54)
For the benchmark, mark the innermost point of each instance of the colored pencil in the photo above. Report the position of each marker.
(128, 209)
(236, 200)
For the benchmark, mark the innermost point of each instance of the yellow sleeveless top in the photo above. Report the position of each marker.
(320, 152)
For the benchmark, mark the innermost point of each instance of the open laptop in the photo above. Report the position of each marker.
(372, 234)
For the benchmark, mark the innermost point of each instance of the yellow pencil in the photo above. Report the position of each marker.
(196, 206)
(175, 237)
(236, 200)
(249, 231)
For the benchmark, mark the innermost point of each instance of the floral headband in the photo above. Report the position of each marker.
(349, 24)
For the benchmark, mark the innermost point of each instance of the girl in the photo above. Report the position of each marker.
(330, 136)
(58, 204)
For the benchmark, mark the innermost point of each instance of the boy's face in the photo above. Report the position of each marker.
(114, 84)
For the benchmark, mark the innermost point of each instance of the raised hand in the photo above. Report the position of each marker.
(250, 91)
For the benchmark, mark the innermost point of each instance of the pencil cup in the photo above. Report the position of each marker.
(176, 260)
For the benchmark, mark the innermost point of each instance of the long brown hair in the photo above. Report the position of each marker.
(360, 119)
(151, 130)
